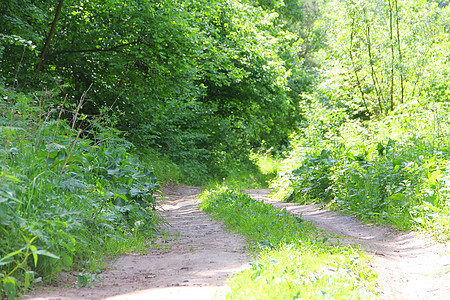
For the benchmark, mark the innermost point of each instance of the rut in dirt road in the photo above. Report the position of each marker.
(203, 255)
(409, 266)
(199, 259)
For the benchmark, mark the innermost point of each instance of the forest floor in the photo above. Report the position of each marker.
(199, 254)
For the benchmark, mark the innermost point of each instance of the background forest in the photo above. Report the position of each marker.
(198, 82)
(98, 97)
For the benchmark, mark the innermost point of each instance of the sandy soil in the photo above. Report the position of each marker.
(201, 257)
(409, 266)
(198, 261)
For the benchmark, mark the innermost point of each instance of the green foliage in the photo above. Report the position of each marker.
(385, 53)
(374, 135)
(200, 82)
(391, 171)
(86, 279)
(311, 179)
(292, 257)
(64, 193)
(295, 271)
(263, 225)
(19, 265)
(164, 168)
(254, 172)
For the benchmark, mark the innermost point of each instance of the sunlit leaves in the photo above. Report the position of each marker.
(383, 52)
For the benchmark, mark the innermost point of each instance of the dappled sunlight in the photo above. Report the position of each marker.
(195, 284)
(194, 293)
(105, 106)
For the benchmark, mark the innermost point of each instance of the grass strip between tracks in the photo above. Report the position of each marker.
(293, 259)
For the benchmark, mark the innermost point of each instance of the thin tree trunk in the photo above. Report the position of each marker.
(358, 81)
(374, 76)
(49, 36)
(391, 39)
(402, 84)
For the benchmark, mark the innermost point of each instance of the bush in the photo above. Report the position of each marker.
(64, 192)
(391, 171)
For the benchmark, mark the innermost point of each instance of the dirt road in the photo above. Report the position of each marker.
(202, 255)
(409, 266)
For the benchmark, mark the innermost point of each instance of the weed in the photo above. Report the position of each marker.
(87, 279)
(68, 196)
(391, 171)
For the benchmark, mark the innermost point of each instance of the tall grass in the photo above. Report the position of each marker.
(293, 260)
(68, 197)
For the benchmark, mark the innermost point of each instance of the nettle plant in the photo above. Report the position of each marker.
(66, 189)
(312, 180)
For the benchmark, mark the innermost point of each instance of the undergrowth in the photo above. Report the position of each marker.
(256, 172)
(294, 261)
(71, 193)
(253, 171)
(392, 171)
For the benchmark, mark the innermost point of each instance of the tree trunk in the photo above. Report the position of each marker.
(49, 36)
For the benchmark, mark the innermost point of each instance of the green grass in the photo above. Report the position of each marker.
(165, 170)
(256, 172)
(267, 163)
(294, 260)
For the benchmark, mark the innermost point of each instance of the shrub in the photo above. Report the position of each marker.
(64, 192)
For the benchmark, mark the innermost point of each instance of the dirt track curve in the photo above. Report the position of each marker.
(409, 266)
(203, 255)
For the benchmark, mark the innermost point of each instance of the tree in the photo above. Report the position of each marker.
(197, 80)
(383, 51)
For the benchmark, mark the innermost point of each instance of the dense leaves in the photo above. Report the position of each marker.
(195, 80)
(356, 90)
(392, 170)
(64, 199)
(374, 140)
(382, 54)
(198, 83)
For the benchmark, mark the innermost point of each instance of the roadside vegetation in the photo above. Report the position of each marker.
(375, 137)
(255, 172)
(344, 102)
(69, 197)
(391, 172)
(292, 259)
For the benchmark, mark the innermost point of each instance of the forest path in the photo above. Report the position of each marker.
(202, 255)
(198, 259)
(409, 266)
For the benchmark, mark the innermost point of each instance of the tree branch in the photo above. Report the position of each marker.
(95, 49)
